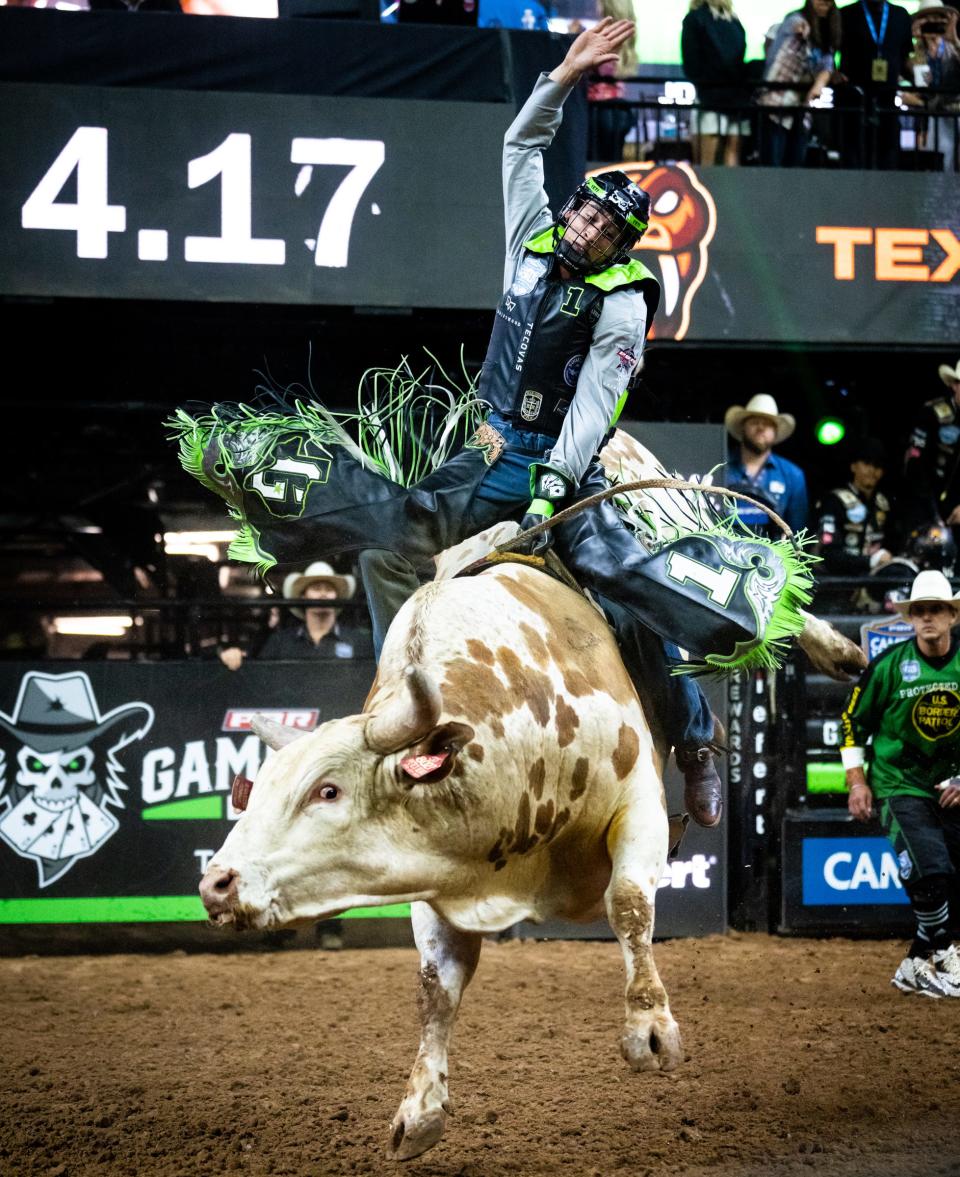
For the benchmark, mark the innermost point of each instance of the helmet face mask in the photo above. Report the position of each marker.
(600, 223)
(932, 546)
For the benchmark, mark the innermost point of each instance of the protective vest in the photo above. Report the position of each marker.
(542, 332)
(863, 522)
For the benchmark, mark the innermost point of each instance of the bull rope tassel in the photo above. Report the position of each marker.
(786, 621)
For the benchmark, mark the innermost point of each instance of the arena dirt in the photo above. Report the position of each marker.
(800, 1059)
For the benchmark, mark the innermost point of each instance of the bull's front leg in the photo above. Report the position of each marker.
(448, 959)
(637, 844)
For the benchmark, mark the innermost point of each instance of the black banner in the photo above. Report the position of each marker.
(249, 198)
(116, 787)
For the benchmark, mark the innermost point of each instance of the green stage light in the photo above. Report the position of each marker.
(830, 431)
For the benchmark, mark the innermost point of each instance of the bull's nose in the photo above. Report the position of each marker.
(218, 890)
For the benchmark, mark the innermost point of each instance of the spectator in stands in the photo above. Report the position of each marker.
(610, 122)
(802, 51)
(876, 44)
(936, 63)
(315, 631)
(908, 701)
(852, 519)
(932, 462)
(754, 469)
(712, 45)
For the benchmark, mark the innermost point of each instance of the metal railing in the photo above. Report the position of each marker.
(849, 129)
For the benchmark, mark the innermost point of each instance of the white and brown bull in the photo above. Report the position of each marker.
(502, 770)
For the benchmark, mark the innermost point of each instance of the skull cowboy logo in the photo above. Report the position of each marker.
(60, 771)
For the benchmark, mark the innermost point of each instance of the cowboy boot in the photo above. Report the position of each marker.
(702, 793)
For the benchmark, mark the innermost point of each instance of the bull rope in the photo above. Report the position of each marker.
(622, 488)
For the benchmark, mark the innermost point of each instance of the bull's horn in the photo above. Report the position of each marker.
(409, 718)
(274, 735)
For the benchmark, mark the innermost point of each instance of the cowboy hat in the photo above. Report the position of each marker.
(932, 587)
(941, 13)
(761, 405)
(295, 584)
(58, 712)
(948, 374)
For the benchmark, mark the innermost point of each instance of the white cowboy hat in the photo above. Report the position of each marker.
(948, 374)
(761, 405)
(295, 584)
(930, 586)
(945, 14)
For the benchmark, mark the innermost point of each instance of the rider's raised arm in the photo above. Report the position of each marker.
(525, 203)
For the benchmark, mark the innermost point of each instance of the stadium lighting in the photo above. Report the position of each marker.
(830, 431)
(104, 627)
(196, 543)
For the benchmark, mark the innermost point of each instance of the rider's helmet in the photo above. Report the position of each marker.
(932, 546)
(623, 210)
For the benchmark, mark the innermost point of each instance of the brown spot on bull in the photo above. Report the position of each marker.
(476, 752)
(578, 782)
(588, 665)
(523, 840)
(527, 685)
(536, 776)
(480, 651)
(475, 692)
(544, 818)
(626, 753)
(535, 644)
(567, 722)
(525, 593)
(563, 816)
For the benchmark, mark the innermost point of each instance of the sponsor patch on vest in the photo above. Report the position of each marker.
(910, 671)
(936, 714)
(529, 273)
(949, 434)
(530, 406)
(857, 513)
(571, 370)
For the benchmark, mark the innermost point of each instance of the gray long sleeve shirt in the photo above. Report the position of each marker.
(621, 328)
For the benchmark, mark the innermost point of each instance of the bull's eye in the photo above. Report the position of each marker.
(324, 791)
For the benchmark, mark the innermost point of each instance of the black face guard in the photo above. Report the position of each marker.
(621, 231)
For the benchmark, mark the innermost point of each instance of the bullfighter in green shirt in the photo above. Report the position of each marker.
(908, 701)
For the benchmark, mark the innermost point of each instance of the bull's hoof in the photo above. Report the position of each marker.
(411, 1137)
(657, 1048)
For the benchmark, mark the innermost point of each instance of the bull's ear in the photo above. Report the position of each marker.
(432, 758)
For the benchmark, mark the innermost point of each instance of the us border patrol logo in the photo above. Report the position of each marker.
(936, 714)
(910, 671)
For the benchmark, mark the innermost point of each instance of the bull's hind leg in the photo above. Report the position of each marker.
(447, 962)
(637, 843)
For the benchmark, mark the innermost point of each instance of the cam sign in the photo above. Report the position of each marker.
(844, 871)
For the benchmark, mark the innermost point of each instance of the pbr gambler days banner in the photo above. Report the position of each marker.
(115, 787)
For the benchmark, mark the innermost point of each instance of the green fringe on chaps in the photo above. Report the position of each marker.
(303, 483)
